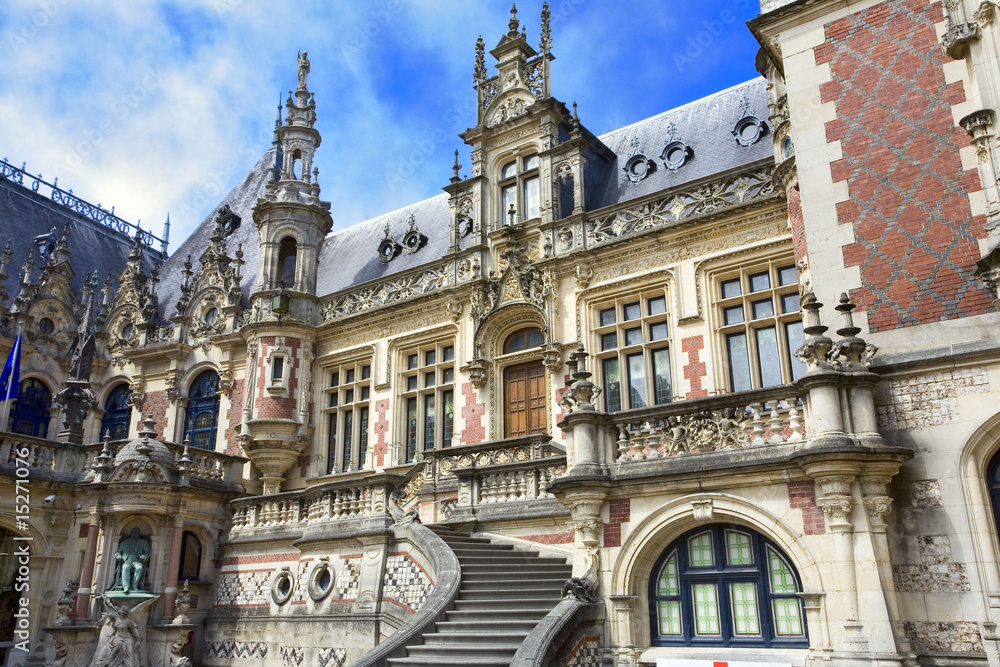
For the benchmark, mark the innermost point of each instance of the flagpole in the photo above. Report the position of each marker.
(10, 381)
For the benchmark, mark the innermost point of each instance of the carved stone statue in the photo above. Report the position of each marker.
(303, 69)
(132, 557)
(120, 646)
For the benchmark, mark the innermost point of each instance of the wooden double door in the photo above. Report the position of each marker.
(524, 399)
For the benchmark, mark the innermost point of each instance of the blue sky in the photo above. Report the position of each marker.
(162, 107)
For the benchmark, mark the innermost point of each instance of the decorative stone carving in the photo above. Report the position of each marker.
(400, 289)
(121, 646)
(957, 37)
(578, 396)
(683, 205)
(702, 509)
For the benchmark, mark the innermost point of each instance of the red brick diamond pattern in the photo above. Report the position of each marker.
(915, 235)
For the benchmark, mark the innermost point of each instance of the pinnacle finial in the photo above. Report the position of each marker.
(455, 178)
(480, 71)
(513, 24)
(545, 43)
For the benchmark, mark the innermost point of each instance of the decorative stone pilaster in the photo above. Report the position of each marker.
(623, 609)
(979, 126)
(877, 502)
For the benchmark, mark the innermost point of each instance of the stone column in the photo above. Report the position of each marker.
(173, 565)
(87, 571)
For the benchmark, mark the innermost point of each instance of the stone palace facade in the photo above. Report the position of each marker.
(721, 385)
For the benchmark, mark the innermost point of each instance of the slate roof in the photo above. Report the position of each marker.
(241, 201)
(705, 125)
(349, 257)
(25, 214)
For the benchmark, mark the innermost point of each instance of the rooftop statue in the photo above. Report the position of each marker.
(303, 69)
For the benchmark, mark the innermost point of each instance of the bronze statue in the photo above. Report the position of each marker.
(132, 557)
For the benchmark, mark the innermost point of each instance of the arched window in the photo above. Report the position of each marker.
(993, 485)
(190, 565)
(287, 253)
(30, 415)
(117, 413)
(203, 410)
(725, 585)
(522, 339)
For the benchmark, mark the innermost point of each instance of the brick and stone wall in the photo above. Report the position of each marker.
(915, 236)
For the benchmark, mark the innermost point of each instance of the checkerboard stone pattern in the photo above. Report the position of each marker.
(231, 648)
(332, 657)
(405, 582)
(243, 589)
(586, 654)
(929, 399)
(292, 656)
(348, 577)
(915, 236)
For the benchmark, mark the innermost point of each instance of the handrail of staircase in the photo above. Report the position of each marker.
(542, 646)
(448, 578)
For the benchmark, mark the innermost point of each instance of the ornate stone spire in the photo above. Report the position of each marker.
(513, 24)
(480, 71)
(545, 42)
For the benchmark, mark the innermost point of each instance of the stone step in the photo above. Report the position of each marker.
(436, 661)
(485, 627)
(507, 605)
(486, 647)
(486, 632)
(528, 571)
(490, 615)
(500, 592)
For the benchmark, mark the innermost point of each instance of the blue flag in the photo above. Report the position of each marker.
(10, 378)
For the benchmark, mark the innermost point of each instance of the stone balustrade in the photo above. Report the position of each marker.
(771, 416)
(42, 458)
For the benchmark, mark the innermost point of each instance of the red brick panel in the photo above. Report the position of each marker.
(156, 404)
(277, 407)
(233, 417)
(796, 223)
(694, 369)
(909, 206)
(473, 412)
(619, 511)
(802, 495)
(381, 429)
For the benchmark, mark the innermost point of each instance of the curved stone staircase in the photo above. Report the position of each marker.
(503, 595)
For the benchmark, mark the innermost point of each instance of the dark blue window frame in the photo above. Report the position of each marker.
(721, 574)
(30, 415)
(117, 413)
(993, 486)
(203, 410)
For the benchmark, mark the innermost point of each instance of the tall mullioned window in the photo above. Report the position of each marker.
(520, 189)
(30, 414)
(348, 397)
(760, 325)
(428, 397)
(725, 585)
(633, 351)
(117, 413)
(202, 420)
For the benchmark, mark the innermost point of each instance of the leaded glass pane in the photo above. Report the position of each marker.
(669, 582)
(657, 305)
(632, 311)
(531, 198)
(633, 336)
(362, 438)
(767, 356)
(429, 421)
(733, 315)
(346, 441)
(795, 338)
(731, 288)
(782, 580)
(607, 316)
(448, 417)
(787, 275)
(448, 352)
(609, 341)
(746, 617)
(411, 429)
(738, 548)
(509, 170)
(612, 385)
(658, 331)
(706, 609)
(661, 376)
(739, 361)
(787, 617)
(760, 281)
(636, 380)
(763, 308)
(670, 617)
(700, 553)
(790, 302)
